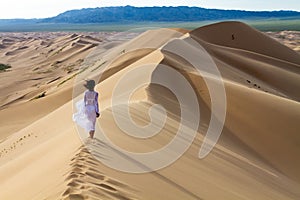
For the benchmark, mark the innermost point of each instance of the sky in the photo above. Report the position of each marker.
(48, 8)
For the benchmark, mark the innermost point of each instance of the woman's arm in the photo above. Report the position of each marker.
(96, 103)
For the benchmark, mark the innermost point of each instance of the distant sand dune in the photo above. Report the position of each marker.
(43, 56)
(288, 38)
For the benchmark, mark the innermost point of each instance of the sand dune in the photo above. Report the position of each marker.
(256, 156)
(236, 35)
(45, 58)
(45, 68)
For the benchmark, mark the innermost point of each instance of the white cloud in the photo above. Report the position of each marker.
(41, 8)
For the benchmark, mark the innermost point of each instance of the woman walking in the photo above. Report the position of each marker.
(89, 111)
(91, 105)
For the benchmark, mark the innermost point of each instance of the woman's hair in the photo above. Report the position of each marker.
(90, 84)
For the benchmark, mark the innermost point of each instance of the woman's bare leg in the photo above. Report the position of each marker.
(92, 134)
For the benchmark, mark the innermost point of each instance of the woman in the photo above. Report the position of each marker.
(91, 105)
(88, 109)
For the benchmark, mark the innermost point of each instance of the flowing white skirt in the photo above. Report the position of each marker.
(85, 116)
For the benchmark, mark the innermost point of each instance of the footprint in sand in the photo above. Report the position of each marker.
(95, 175)
(107, 187)
(75, 197)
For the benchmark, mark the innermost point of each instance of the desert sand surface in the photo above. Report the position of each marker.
(44, 155)
(288, 38)
(43, 63)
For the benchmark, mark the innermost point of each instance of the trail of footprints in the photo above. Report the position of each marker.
(86, 181)
(15, 144)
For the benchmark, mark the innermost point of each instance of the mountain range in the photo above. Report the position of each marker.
(154, 14)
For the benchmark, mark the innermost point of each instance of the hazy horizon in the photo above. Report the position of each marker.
(42, 9)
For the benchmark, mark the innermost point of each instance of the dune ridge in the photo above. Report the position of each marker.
(85, 180)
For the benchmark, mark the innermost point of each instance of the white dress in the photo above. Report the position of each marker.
(86, 111)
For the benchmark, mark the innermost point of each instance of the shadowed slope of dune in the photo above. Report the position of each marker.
(256, 156)
(261, 118)
(262, 60)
